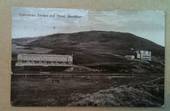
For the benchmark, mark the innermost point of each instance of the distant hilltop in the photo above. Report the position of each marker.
(93, 46)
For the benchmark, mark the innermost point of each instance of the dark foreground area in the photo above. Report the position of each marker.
(87, 90)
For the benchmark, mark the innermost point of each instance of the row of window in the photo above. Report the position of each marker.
(46, 62)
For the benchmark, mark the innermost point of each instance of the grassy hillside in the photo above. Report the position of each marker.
(98, 49)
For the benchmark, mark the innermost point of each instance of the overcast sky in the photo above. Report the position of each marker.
(28, 22)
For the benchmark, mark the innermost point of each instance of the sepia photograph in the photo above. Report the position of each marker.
(78, 57)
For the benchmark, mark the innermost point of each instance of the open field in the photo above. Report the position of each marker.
(76, 89)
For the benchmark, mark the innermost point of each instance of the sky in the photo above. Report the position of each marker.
(35, 22)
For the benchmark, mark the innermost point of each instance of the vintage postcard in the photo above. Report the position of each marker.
(77, 57)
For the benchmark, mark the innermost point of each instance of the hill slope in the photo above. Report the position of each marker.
(96, 43)
(96, 47)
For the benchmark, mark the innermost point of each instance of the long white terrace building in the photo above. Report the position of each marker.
(44, 60)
